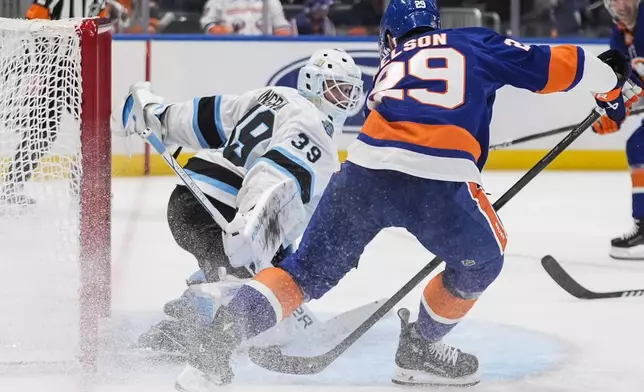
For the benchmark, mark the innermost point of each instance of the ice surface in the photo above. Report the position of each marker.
(529, 334)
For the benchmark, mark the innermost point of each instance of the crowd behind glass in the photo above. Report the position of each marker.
(539, 18)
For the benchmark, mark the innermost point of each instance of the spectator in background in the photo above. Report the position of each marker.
(243, 17)
(364, 18)
(126, 18)
(567, 17)
(314, 20)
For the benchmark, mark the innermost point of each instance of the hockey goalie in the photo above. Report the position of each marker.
(267, 153)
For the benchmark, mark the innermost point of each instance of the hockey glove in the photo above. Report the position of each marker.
(618, 109)
(139, 110)
(613, 101)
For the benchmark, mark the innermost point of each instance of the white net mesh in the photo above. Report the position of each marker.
(40, 171)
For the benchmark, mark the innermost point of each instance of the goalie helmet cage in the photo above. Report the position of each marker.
(55, 151)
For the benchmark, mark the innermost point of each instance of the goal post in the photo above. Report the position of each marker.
(55, 180)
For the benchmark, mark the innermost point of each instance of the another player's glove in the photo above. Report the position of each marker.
(618, 109)
(613, 102)
(139, 110)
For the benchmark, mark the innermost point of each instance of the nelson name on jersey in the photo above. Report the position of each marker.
(422, 42)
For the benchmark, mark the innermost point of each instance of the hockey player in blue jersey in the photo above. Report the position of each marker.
(630, 41)
(417, 165)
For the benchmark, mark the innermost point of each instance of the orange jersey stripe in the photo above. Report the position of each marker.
(447, 137)
(637, 177)
(443, 303)
(562, 69)
(478, 194)
(284, 288)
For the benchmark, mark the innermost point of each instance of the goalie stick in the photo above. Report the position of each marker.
(566, 282)
(536, 136)
(272, 358)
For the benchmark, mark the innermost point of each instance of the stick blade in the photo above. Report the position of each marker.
(565, 281)
(272, 358)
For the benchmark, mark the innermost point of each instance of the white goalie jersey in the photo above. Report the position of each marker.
(250, 142)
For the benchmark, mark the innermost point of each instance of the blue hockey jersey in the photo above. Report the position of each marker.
(431, 104)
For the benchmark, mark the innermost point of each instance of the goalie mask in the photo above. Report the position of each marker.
(333, 82)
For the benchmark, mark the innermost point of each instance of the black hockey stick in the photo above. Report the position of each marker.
(536, 136)
(272, 358)
(566, 282)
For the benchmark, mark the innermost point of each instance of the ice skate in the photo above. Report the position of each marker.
(209, 357)
(630, 246)
(194, 310)
(423, 363)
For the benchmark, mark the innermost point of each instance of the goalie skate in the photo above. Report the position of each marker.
(209, 357)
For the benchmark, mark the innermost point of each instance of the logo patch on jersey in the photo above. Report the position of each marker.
(328, 127)
(272, 100)
(367, 60)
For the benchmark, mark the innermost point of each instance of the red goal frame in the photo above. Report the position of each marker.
(95, 199)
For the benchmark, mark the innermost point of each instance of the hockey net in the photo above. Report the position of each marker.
(55, 172)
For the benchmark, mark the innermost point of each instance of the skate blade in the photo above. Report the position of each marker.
(417, 378)
(634, 253)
